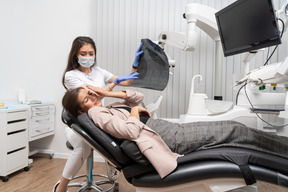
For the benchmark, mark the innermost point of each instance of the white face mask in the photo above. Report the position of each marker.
(86, 61)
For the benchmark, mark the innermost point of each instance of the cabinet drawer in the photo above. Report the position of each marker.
(42, 110)
(16, 115)
(17, 125)
(16, 160)
(41, 120)
(17, 140)
(42, 113)
(42, 129)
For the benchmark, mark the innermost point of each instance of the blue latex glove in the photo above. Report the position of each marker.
(133, 75)
(137, 56)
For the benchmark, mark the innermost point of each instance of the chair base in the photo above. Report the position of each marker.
(209, 185)
(96, 185)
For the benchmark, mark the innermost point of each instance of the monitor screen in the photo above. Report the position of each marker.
(247, 25)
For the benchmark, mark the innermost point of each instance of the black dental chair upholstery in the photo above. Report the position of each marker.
(248, 166)
(103, 184)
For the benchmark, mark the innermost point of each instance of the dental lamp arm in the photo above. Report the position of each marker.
(178, 39)
(203, 17)
(196, 15)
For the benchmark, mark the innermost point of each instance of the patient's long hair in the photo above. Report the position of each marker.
(73, 59)
(70, 103)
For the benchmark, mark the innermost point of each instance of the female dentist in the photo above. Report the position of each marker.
(81, 70)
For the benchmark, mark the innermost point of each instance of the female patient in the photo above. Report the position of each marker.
(158, 139)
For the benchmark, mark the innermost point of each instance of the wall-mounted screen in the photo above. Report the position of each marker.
(247, 25)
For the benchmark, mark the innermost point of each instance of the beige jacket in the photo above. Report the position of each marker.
(116, 121)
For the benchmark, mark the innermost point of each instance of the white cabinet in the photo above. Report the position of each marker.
(13, 140)
(42, 120)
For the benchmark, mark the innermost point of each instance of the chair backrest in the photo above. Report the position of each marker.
(106, 141)
(96, 146)
(99, 138)
(123, 154)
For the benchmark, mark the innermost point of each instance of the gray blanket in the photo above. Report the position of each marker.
(188, 137)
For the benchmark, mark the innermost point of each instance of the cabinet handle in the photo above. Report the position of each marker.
(42, 108)
(42, 114)
(43, 129)
(42, 120)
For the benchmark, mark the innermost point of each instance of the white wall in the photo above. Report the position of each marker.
(36, 36)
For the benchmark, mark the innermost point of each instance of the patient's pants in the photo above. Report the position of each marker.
(188, 137)
(81, 151)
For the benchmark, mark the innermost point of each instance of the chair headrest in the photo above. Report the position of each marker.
(67, 118)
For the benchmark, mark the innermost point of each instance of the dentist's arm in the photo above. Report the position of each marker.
(110, 86)
(133, 75)
(125, 79)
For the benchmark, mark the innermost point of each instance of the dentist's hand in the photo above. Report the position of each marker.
(133, 75)
(137, 56)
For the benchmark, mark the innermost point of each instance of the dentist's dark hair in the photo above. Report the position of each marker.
(70, 103)
(72, 58)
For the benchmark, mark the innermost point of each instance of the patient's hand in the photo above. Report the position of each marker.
(101, 93)
(137, 111)
(143, 111)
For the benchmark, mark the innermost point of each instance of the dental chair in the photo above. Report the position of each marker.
(105, 184)
(213, 170)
